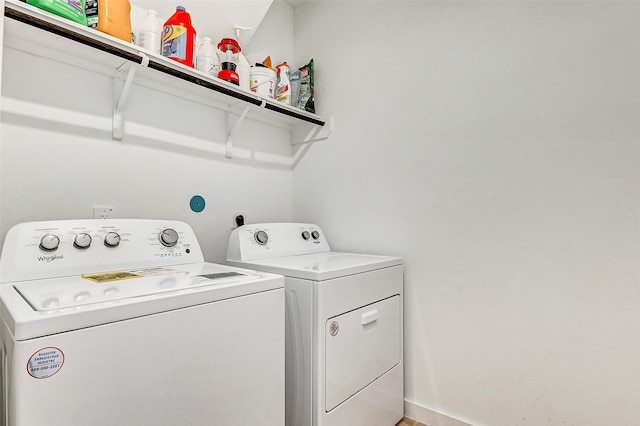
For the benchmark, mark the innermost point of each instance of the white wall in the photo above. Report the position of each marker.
(274, 36)
(173, 148)
(495, 146)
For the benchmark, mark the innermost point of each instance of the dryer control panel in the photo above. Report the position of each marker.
(266, 240)
(36, 250)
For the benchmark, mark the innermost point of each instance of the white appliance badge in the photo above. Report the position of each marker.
(45, 363)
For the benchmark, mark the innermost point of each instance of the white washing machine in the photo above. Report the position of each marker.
(121, 322)
(344, 359)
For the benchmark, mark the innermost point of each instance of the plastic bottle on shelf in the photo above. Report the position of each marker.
(149, 35)
(294, 80)
(91, 10)
(243, 68)
(114, 18)
(73, 10)
(207, 57)
(179, 37)
(283, 86)
(244, 72)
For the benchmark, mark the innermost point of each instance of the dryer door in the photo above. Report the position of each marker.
(361, 345)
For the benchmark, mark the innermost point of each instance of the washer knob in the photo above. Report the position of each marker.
(82, 241)
(168, 237)
(49, 242)
(112, 239)
(315, 235)
(261, 237)
(306, 235)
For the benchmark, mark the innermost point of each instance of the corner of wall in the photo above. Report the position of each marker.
(430, 417)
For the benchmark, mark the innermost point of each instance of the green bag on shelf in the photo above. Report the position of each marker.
(306, 96)
(70, 9)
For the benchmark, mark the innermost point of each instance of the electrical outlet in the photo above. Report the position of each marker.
(102, 212)
(233, 217)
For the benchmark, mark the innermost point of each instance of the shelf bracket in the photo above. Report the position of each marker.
(121, 89)
(231, 130)
(312, 136)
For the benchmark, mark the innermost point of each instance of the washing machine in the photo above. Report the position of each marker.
(121, 322)
(344, 356)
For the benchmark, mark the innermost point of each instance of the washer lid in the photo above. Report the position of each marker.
(41, 307)
(112, 287)
(321, 266)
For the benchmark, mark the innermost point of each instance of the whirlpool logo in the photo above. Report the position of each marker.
(50, 258)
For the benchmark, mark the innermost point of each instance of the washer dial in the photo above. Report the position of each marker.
(49, 242)
(168, 237)
(305, 235)
(315, 235)
(82, 241)
(112, 239)
(261, 237)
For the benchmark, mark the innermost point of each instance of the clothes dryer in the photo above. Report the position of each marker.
(344, 356)
(121, 322)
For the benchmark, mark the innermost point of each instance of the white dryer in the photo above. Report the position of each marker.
(344, 357)
(121, 322)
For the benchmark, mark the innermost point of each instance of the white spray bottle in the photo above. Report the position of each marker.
(243, 69)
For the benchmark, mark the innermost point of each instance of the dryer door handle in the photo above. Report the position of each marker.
(369, 316)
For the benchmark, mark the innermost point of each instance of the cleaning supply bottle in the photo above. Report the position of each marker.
(149, 34)
(91, 10)
(73, 10)
(207, 57)
(114, 18)
(179, 37)
(283, 86)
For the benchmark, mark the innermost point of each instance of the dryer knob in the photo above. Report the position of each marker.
(261, 237)
(82, 241)
(168, 237)
(112, 239)
(315, 235)
(49, 242)
(306, 235)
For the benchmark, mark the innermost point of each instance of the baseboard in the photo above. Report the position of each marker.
(430, 417)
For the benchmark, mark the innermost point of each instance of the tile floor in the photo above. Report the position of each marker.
(409, 422)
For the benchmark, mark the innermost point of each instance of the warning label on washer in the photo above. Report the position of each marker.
(107, 277)
(45, 363)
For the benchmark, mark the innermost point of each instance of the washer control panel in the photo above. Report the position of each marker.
(36, 250)
(265, 240)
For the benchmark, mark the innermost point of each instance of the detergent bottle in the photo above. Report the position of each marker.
(73, 10)
(207, 57)
(149, 34)
(91, 10)
(114, 18)
(179, 37)
(283, 85)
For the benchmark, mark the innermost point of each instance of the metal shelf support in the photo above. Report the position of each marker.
(312, 136)
(231, 130)
(121, 88)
